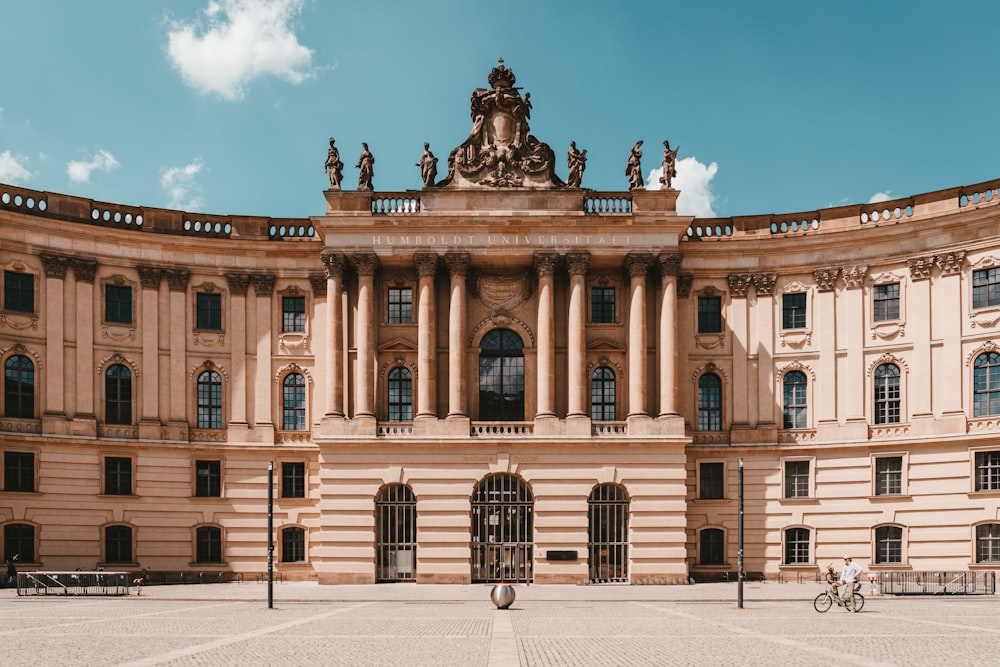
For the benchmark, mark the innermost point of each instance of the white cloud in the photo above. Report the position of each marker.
(13, 169)
(694, 180)
(79, 172)
(181, 186)
(236, 42)
(880, 196)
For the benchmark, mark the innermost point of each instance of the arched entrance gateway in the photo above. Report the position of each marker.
(502, 529)
(395, 534)
(607, 535)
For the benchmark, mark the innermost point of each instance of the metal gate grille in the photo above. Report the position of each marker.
(396, 534)
(502, 529)
(607, 544)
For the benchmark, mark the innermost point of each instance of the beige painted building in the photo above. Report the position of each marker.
(501, 376)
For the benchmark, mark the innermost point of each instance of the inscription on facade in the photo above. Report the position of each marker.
(486, 240)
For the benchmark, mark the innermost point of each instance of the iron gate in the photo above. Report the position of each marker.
(607, 544)
(396, 534)
(502, 529)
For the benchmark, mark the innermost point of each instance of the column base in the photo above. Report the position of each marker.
(459, 425)
(578, 425)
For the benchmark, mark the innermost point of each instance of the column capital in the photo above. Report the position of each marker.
(577, 263)
(854, 276)
(84, 269)
(545, 262)
(763, 283)
(950, 263)
(458, 263)
(150, 277)
(426, 263)
(365, 263)
(317, 281)
(333, 263)
(920, 267)
(238, 283)
(826, 278)
(684, 281)
(177, 279)
(263, 283)
(54, 265)
(739, 284)
(670, 263)
(637, 264)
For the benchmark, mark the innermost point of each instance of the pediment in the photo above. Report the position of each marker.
(397, 345)
(605, 345)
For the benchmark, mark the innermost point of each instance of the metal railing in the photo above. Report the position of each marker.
(937, 583)
(73, 583)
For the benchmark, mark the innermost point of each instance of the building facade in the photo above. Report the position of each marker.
(501, 376)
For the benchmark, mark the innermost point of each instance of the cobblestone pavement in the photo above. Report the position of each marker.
(409, 624)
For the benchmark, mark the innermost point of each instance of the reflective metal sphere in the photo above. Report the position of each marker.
(502, 595)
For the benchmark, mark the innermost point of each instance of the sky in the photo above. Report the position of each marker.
(226, 106)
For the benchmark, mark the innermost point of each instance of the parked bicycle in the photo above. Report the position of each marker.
(825, 600)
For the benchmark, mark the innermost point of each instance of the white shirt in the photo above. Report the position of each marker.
(850, 572)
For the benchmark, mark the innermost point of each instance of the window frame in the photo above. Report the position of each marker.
(881, 537)
(123, 308)
(604, 409)
(209, 404)
(294, 409)
(106, 544)
(111, 480)
(883, 490)
(887, 397)
(13, 469)
(209, 545)
(987, 375)
(298, 546)
(294, 481)
(213, 478)
(810, 478)
(709, 320)
(720, 546)
(23, 556)
(992, 540)
(205, 315)
(801, 404)
(986, 294)
(399, 394)
(399, 311)
(882, 306)
(796, 555)
(794, 316)
(603, 310)
(292, 319)
(988, 470)
(24, 402)
(710, 415)
(19, 297)
(123, 401)
(701, 486)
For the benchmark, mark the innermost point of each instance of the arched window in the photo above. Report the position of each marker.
(293, 544)
(795, 400)
(986, 385)
(797, 546)
(988, 543)
(118, 544)
(395, 533)
(888, 544)
(501, 376)
(712, 547)
(19, 542)
(208, 544)
(602, 395)
(293, 403)
(709, 402)
(209, 400)
(118, 396)
(400, 395)
(607, 544)
(887, 394)
(19, 388)
(502, 529)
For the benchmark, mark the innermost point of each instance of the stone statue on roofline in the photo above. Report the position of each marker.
(500, 151)
(576, 160)
(428, 166)
(633, 168)
(333, 166)
(366, 167)
(669, 165)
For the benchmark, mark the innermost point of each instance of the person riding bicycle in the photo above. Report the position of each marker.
(848, 579)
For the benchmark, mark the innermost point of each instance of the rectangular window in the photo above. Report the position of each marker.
(988, 543)
(18, 292)
(709, 314)
(885, 302)
(986, 288)
(602, 305)
(209, 312)
(797, 546)
(797, 479)
(18, 471)
(400, 307)
(117, 476)
(711, 481)
(208, 479)
(118, 304)
(988, 471)
(889, 476)
(293, 479)
(293, 314)
(793, 311)
(888, 544)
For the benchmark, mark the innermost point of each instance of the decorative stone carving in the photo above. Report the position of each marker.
(54, 265)
(684, 281)
(763, 283)
(364, 263)
(150, 277)
(317, 282)
(669, 165)
(576, 161)
(366, 168)
(458, 263)
(84, 269)
(950, 263)
(670, 263)
(426, 263)
(545, 263)
(854, 276)
(739, 283)
(826, 279)
(920, 267)
(633, 167)
(637, 264)
(177, 279)
(333, 166)
(502, 293)
(263, 283)
(500, 152)
(428, 166)
(238, 283)
(333, 263)
(577, 263)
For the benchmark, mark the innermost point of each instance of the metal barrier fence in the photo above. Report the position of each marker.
(937, 583)
(73, 583)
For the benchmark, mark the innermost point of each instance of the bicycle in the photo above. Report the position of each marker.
(824, 601)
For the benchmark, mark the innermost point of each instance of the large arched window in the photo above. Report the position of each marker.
(19, 542)
(209, 400)
(887, 402)
(607, 544)
(602, 395)
(208, 544)
(118, 395)
(293, 403)
(118, 544)
(19, 388)
(395, 533)
(502, 529)
(795, 400)
(501, 376)
(986, 385)
(709, 402)
(400, 395)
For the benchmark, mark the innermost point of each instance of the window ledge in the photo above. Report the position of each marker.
(888, 567)
(798, 566)
(215, 498)
(885, 497)
(992, 565)
(711, 501)
(992, 493)
(811, 500)
(205, 565)
(117, 495)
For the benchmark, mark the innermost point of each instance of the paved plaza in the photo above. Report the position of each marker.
(409, 624)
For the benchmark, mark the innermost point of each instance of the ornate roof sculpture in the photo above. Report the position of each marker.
(500, 152)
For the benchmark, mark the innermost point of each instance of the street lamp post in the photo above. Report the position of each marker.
(739, 546)
(270, 534)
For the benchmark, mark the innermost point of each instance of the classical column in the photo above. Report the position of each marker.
(238, 285)
(177, 281)
(946, 400)
(150, 278)
(854, 344)
(576, 348)
(825, 310)
(669, 265)
(761, 339)
(458, 267)
(84, 270)
(366, 264)
(637, 265)
(334, 265)
(426, 263)
(263, 287)
(55, 333)
(918, 328)
(545, 264)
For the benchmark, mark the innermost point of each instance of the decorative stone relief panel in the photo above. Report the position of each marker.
(887, 329)
(987, 316)
(801, 337)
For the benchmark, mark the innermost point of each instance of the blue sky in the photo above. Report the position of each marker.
(225, 106)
